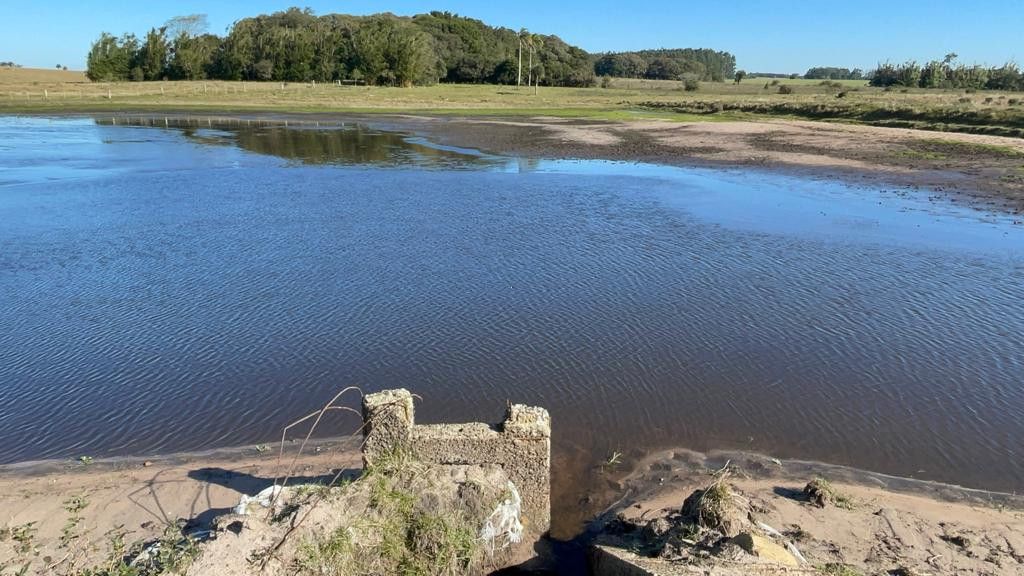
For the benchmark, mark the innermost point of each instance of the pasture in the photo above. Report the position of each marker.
(1000, 113)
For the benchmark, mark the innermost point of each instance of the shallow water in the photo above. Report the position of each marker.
(202, 284)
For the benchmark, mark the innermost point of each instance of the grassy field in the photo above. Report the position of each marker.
(47, 75)
(998, 113)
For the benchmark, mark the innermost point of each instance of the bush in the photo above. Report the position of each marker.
(691, 84)
(970, 91)
(1013, 101)
(964, 100)
(606, 81)
(783, 89)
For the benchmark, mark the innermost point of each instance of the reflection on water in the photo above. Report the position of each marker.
(315, 142)
(179, 288)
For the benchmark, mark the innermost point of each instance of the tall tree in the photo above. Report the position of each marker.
(153, 54)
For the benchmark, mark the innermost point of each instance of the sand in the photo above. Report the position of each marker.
(140, 497)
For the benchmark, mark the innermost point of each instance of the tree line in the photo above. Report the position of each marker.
(668, 64)
(947, 73)
(833, 73)
(383, 49)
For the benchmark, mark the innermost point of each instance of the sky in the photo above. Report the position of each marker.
(766, 36)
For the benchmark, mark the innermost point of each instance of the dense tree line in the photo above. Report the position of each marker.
(297, 46)
(947, 73)
(831, 73)
(668, 64)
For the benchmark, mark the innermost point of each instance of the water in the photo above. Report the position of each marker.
(202, 285)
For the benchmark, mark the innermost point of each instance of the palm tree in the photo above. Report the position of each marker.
(523, 34)
(536, 43)
(529, 67)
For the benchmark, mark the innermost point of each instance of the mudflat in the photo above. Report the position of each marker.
(974, 167)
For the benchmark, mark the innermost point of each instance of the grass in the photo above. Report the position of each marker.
(821, 492)
(837, 569)
(623, 99)
(171, 555)
(950, 147)
(399, 534)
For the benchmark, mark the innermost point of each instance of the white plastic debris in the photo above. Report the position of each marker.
(263, 499)
(503, 527)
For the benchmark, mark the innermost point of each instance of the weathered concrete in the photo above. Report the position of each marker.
(521, 445)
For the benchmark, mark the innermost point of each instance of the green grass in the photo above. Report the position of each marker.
(623, 100)
(399, 533)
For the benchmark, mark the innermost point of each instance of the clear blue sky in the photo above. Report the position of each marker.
(768, 36)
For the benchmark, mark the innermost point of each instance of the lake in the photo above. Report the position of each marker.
(188, 284)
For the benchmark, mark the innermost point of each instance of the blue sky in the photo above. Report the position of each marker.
(769, 36)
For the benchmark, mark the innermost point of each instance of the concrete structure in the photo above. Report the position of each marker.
(521, 445)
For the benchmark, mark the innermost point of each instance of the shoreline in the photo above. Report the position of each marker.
(981, 171)
(142, 495)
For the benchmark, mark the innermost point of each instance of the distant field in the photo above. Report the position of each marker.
(999, 113)
(44, 75)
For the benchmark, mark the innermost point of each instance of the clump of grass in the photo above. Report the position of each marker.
(710, 508)
(820, 492)
(171, 555)
(73, 506)
(23, 535)
(838, 569)
(785, 89)
(399, 534)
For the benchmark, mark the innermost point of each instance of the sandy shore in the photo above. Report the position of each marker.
(74, 509)
(139, 498)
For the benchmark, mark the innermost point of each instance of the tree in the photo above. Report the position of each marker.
(110, 58)
(523, 35)
(153, 54)
(740, 75)
(191, 25)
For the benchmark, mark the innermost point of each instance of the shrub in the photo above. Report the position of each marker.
(783, 89)
(606, 81)
(970, 90)
(964, 100)
(1013, 101)
(691, 84)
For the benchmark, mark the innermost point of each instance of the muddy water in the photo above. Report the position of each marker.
(201, 284)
